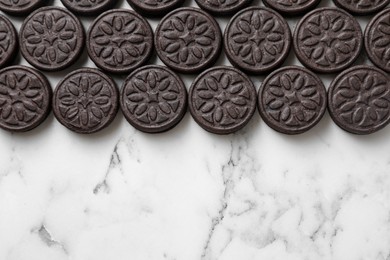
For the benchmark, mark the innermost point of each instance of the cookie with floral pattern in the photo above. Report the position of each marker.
(86, 101)
(223, 7)
(292, 100)
(88, 7)
(20, 7)
(362, 7)
(292, 7)
(153, 99)
(8, 41)
(328, 40)
(359, 100)
(188, 40)
(120, 41)
(222, 100)
(154, 7)
(377, 40)
(51, 38)
(25, 98)
(257, 40)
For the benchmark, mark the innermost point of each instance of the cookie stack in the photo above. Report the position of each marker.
(222, 99)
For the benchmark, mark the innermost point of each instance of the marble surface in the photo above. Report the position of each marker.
(188, 194)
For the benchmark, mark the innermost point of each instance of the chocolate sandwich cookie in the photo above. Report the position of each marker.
(20, 7)
(86, 101)
(257, 40)
(188, 40)
(377, 40)
(88, 7)
(8, 42)
(292, 100)
(154, 7)
(222, 100)
(120, 41)
(51, 38)
(362, 7)
(328, 40)
(25, 98)
(359, 100)
(153, 99)
(223, 7)
(292, 7)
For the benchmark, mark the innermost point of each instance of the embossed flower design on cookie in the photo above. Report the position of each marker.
(362, 99)
(86, 100)
(51, 38)
(359, 99)
(292, 100)
(188, 39)
(377, 40)
(20, 7)
(222, 99)
(291, 7)
(119, 41)
(328, 40)
(153, 99)
(257, 39)
(20, 99)
(24, 98)
(86, 3)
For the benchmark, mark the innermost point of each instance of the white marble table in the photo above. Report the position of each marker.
(188, 194)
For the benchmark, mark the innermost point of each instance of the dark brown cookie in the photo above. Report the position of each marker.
(359, 100)
(20, 7)
(292, 100)
(51, 38)
(362, 7)
(223, 7)
(292, 7)
(222, 100)
(377, 40)
(257, 40)
(328, 40)
(155, 7)
(188, 40)
(153, 99)
(86, 101)
(8, 42)
(25, 98)
(120, 41)
(88, 7)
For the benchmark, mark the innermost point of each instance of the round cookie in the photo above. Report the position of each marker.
(8, 41)
(223, 7)
(25, 98)
(154, 7)
(377, 40)
(120, 41)
(257, 40)
(188, 40)
(222, 100)
(292, 100)
(20, 7)
(88, 7)
(51, 38)
(359, 100)
(292, 7)
(86, 101)
(328, 40)
(362, 7)
(153, 99)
